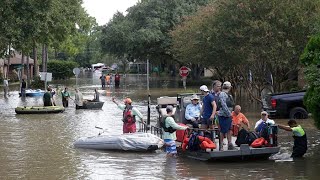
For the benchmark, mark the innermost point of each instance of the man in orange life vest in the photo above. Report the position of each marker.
(129, 115)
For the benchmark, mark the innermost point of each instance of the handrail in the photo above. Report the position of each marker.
(143, 127)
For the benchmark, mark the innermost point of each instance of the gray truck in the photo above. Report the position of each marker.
(286, 105)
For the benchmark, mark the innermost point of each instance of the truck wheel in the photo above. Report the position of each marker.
(298, 113)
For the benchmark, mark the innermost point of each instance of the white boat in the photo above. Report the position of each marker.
(127, 142)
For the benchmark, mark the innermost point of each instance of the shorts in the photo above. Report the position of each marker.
(207, 121)
(225, 124)
(171, 147)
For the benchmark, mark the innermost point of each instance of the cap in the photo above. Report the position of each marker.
(264, 112)
(227, 84)
(169, 108)
(127, 100)
(204, 88)
(193, 97)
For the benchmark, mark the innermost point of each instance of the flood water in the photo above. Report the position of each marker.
(41, 146)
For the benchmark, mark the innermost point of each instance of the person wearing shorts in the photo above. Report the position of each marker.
(208, 108)
(225, 104)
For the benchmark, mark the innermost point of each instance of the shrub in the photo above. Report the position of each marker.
(61, 69)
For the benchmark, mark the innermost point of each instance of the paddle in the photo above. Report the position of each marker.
(103, 130)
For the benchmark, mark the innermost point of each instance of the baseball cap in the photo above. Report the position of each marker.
(204, 88)
(264, 112)
(227, 84)
(193, 97)
(169, 108)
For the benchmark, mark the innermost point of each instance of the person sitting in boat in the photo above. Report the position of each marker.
(129, 115)
(299, 136)
(169, 127)
(263, 122)
(96, 96)
(47, 98)
(78, 99)
(239, 120)
(192, 113)
(65, 97)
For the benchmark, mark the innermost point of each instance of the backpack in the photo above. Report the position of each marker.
(163, 125)
(229, 102)
(242, 137)
(194, 143)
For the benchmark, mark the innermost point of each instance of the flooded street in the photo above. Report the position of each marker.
(41, 146)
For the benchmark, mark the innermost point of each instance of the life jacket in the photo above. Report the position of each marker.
(196, 142)
(163, 125)
(259, 142)
(127, 115)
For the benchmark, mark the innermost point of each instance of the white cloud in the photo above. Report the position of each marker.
(103, 10)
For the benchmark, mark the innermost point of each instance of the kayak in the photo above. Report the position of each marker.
(91, 105)
(126, 142)
(39, 109)
(34, 93)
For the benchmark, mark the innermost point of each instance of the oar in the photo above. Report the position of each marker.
(103, 130)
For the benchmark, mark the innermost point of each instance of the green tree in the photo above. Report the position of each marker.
(61, 69)
(311, 60)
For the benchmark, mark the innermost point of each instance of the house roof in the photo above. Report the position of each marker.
(16, 59)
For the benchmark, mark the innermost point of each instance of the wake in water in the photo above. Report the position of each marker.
(282, 157)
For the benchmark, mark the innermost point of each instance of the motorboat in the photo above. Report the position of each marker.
(243, 152)
(33, 92)
(126, 142)
(39, 109)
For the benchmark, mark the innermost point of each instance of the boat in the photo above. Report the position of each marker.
(34, 93)
(244, 152)
(126, 142)
(91, 105)
(38, 109)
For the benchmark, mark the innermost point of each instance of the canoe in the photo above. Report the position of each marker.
(34, 93)
(126, 142)
(39, 109)
(91, 105)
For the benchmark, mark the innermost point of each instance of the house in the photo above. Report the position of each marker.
(15, 65)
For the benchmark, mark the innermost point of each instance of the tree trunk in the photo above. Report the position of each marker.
(28, 71)
(43, 57)
(8, 65)
(22, 67)
(35, 58)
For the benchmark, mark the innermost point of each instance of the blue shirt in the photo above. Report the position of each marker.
(207, 106)
(192, 111)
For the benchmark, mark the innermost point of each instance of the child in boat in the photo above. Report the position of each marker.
(299, 136)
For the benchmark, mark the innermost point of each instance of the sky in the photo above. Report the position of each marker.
(103, 10)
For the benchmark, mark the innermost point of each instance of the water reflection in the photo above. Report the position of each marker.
(41, 146)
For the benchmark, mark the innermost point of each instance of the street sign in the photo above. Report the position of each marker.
(184, 71)
(76, 71)
(45, 76)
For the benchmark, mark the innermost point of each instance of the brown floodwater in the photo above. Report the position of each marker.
(41, 146)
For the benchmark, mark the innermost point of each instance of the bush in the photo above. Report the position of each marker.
(61, 69)
(37, 83)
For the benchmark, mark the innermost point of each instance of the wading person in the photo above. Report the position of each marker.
(65, 97)
(78, 99)
(129, 115)
(117, 80)
(103, 81)
(47, 98)
(23, 88)
(300, 138)
(225, 104)
(5, 88)
(169, 127)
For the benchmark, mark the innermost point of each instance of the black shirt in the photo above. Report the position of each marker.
(23, 84)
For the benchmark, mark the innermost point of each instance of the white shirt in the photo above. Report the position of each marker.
(268, 121)
(5, 82)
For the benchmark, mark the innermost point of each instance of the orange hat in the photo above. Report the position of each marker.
(127, 100)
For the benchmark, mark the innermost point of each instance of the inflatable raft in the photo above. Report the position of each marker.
(38, 109)
(33, 93)
(127, 142)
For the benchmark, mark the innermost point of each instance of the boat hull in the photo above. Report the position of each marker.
(91, 105)
(125, 142)
(39, 109)
(245, 152)
(33, 93)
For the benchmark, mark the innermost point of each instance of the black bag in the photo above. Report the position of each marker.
(242, 137)
(251, 137)
(163, 125)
